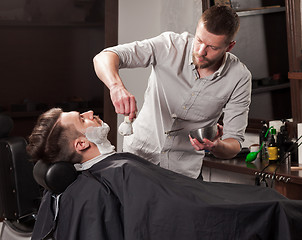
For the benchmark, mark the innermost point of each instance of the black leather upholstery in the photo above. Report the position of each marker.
(55, 177)
(6, 125)
(19, 193)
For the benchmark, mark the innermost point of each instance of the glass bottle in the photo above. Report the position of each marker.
(263, 140)
(272, 147)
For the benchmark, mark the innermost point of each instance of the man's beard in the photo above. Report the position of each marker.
(97, 135)
(207, 63)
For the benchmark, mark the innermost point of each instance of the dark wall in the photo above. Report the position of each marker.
(48, 64)
(46, 57)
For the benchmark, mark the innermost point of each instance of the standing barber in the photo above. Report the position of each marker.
(194, 80)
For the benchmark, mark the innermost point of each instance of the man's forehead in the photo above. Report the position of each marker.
(203, 34)
(69, 117)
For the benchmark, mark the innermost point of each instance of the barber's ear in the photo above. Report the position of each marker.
(231, 45)
(81, 144)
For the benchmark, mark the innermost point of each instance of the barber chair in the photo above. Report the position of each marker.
(54, 177)
(20, 195)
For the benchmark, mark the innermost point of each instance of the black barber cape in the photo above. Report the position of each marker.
(129, 198)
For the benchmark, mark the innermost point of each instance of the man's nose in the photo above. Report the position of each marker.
(88, 114)
(202, 50)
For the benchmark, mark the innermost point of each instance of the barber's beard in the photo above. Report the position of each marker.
(206, 63)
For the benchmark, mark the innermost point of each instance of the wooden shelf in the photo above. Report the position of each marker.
(295, 75)
(258, 11)
(270, 88)
(288, 182)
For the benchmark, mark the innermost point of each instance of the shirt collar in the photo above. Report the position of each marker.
(222, 66)
(191, 53)
(88, 164)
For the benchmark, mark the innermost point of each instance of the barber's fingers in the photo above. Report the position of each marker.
(196, 144)
(206, 145)
(123, 101)
(129, 104)
(220, 130)
(133, 109)
(130, 107)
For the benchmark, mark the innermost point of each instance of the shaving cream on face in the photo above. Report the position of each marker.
(98, 135)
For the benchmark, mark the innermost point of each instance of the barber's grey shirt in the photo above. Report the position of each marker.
(177, 101)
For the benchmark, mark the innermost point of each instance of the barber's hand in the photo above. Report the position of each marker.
(207, 144)
(123, 101)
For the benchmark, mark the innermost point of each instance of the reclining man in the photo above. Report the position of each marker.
(121, 196)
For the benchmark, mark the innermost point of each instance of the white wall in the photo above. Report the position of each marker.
(141, 19)
(138, 19)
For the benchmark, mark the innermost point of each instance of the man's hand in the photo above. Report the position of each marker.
(227, 148)
(106, 65)
(123, 101)
(207, 144)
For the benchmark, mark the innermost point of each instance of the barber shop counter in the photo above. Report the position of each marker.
(287, 180)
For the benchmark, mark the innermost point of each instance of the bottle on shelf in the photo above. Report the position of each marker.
(282, 139)
(263, 140)
(272, 148)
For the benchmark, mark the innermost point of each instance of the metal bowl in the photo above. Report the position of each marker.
(205, 132)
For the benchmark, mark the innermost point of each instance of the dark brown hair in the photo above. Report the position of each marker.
(50, 141)
(221, 20)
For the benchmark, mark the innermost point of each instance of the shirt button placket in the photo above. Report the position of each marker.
(164, 162)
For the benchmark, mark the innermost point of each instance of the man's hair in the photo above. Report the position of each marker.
(221, 20)
(50, 141)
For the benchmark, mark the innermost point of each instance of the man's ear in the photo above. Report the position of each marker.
(81, 143)
(231, 45)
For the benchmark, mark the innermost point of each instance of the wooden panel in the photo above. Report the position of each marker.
(294, 34)
(111, 39)
(293, 19)
(295, 75)
(291, 191)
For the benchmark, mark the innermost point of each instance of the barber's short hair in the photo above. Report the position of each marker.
(221, 20)
(50, 141)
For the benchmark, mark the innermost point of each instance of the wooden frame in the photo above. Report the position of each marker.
(111, 39)
(293, 18)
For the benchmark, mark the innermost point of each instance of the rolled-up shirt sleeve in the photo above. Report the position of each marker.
(236, 110)
(157, 50)
(141, 53)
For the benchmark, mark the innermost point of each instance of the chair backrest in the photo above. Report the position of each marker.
(20, 195)
(55, 177)
(6, 126)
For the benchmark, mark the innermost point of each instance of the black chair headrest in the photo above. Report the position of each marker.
(55, 177)
(6, 125)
